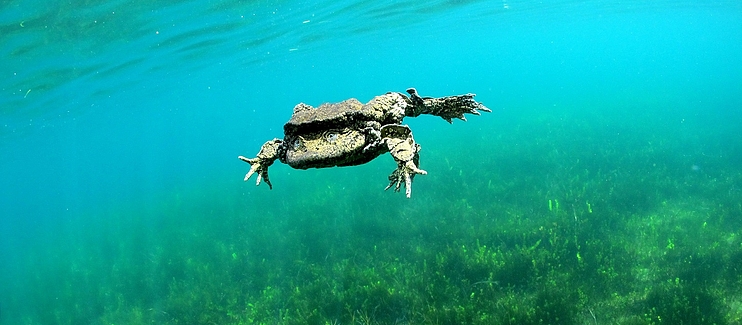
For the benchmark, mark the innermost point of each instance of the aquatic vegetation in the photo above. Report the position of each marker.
(580, 237)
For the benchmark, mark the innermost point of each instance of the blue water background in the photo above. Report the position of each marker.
(119, 106)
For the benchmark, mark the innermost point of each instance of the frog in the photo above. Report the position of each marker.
(350, 133)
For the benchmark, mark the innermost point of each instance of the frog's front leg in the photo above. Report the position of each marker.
(404, 150)
(269, 152)
(448, 107)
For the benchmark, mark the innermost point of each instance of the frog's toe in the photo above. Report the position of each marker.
(413, 169)
(264, 176)
(259, 168)
(404, 173)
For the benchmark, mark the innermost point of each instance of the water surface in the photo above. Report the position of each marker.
(605, 185)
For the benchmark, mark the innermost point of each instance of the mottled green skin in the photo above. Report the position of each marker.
(340, 134)
(350, 133)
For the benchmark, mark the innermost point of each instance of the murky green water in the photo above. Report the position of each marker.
(605, 187)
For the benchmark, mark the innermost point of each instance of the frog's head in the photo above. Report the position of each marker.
(330, 135)
(324, 148)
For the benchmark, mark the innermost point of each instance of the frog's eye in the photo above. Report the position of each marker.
(332, 137)
(296, 144)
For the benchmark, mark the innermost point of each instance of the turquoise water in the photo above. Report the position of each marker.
(605, 186)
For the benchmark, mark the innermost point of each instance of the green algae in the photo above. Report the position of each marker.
(633, 239)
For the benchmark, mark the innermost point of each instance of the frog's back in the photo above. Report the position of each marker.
(331, 115)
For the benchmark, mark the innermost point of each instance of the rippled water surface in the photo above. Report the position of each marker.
(604, 187)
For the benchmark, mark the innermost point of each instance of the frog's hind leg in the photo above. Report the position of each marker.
(448, 107)
(404, 150)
